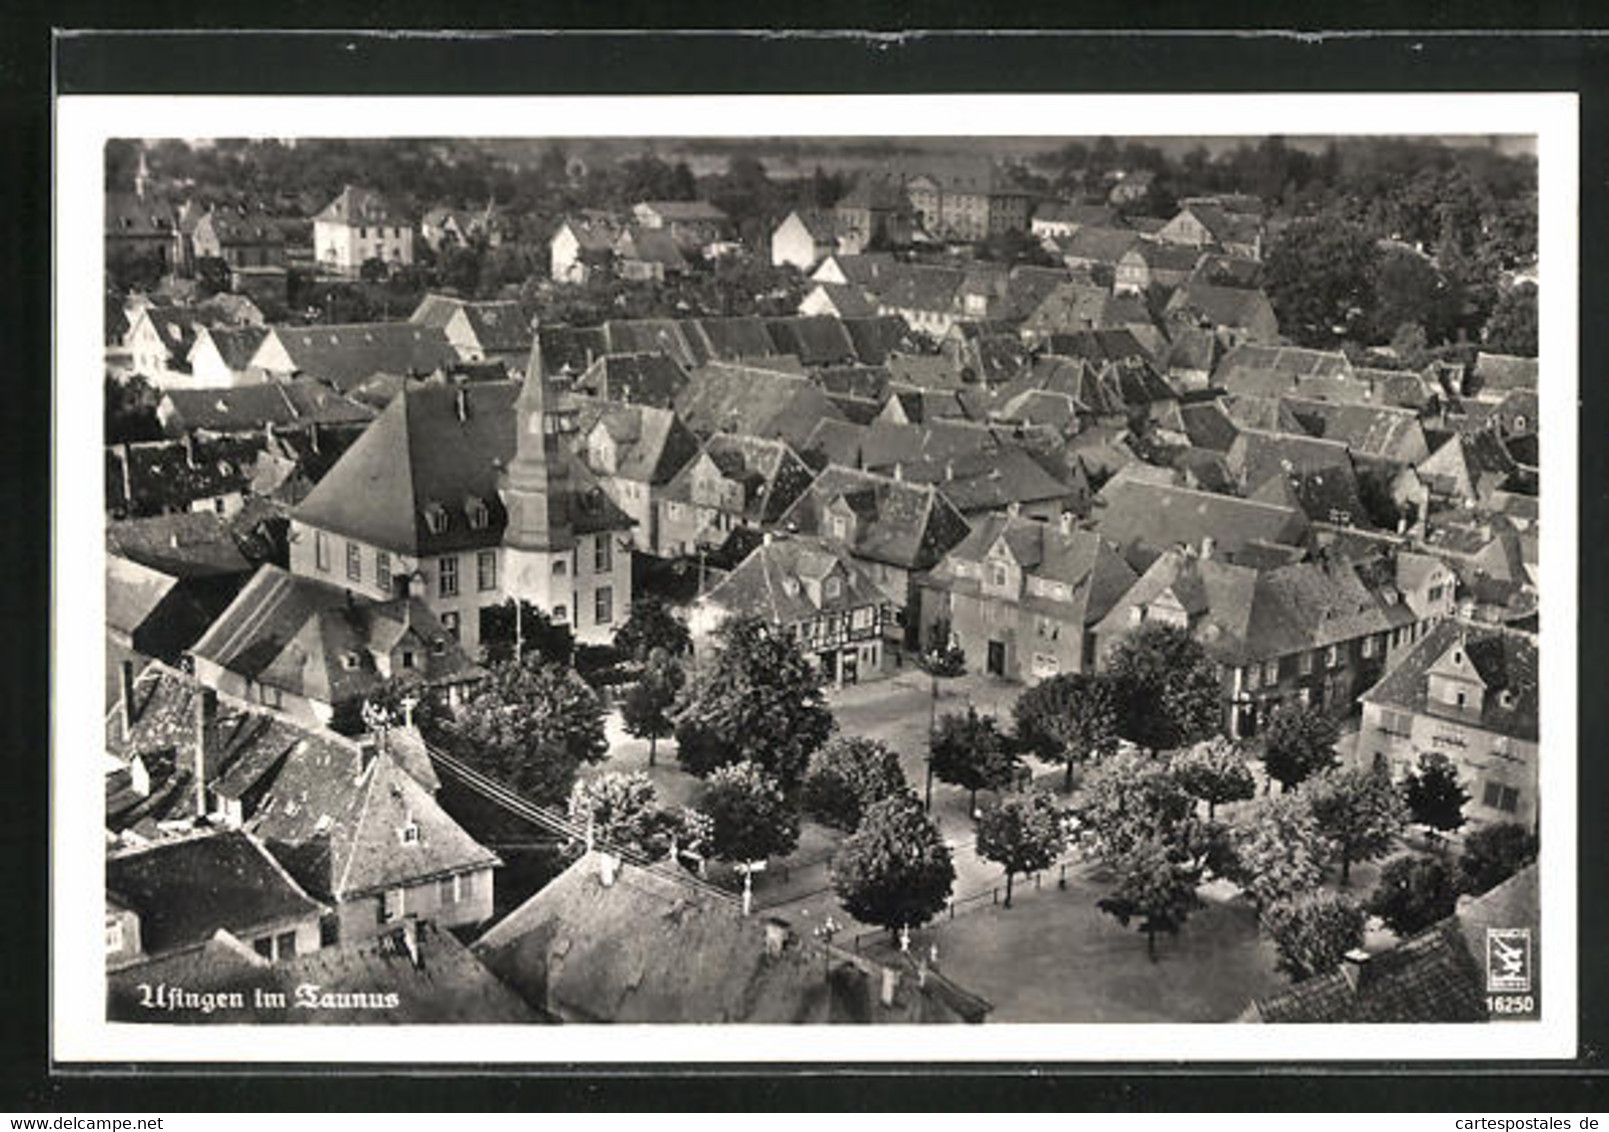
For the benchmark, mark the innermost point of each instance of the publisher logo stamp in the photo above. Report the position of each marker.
(1508, 960)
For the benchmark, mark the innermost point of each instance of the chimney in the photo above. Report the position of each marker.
(268, 433)
(312, 435)
(461, 404)
(205, 702)
(1013, 509)
(899, 471)
(890, 985)
(949, 470)
(126, 712)
(1066, 522)
(1353, 964)
(608, 866)
(409, 936)
(190, 449)
(1208, 545)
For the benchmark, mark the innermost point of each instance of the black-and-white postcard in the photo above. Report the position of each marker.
(750, 570)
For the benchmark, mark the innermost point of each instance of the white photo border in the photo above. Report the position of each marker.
(80, 1032)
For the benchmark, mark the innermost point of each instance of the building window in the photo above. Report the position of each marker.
(264, 947)
(1253, 676)
(382, 570)
(833, 587)
(114, 935)
(409, 833)
(560, 567)
(447, 578)
(603, 605)
(391, 905)
(560, 613)
(407, 658)
(838, 526)
(486, 570)
(354, 561)
(1500, 797)
(1304, 663)
(321, 551)
(602, 554)
(448, 891)
(1332, 656)
(1271, 672)
(285, 945)
(997, 573)
(450, 622)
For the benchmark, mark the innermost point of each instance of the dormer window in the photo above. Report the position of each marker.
(790, 586)
(436, 518)
(477, 511)
(1505, 699)
(409, 833)
(349, 661)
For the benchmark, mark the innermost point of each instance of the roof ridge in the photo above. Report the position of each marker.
(373, 773)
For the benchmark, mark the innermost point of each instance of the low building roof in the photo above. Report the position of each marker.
(1506, 661)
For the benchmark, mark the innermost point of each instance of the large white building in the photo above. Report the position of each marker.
(468, 496)
(357, 226)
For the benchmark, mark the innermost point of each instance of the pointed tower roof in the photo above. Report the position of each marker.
(535, 487)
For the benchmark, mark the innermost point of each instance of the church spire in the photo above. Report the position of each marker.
(536, 485)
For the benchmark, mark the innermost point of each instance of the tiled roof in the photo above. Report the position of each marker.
(1502, 372)
(649, 949)
(1100, 245)
(866, 382)
(729, 339)
(651, 335)
(235, 344)
(232, 231)
(921, 287)
(418, 452)
(1273, 414)
(1074, 212)
(360, 206)
(309, 638)
(899, 522)
(1218, 306)
(847, 300)
(185, 890)
(1506, 661)
(435, 979)
(651, 445)
(880, 193)
(651, 245)
(1208, 426)
(347, 354)
(990, 480)
(762, 403)
(821, 340)
(1429, 978)
(248, 408)
(1090, 567)
(777, 583)
(1316, 474)
(189, 544)
(170, 475)
(651, 379)
(876, 339)
(685, 210)
(771, 472)
(1155, 517)
(1269, 371)
(1371, 430)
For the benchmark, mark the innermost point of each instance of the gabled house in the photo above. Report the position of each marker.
(583, 246)
(873, 214)
(1469, 692)
(649, 254)
(693, 224)
(1210, 225)
(969, 201)
(159, 342)
(315, 651)
(1236, 315)
(893, 528)
(1311, 631)
(220, 356)
(294, 404)
(804, 238)
(240, 241)
(755, 402)
(1019, 596)
(1375, 431)
(1494, 375)
(840, 300)
(1092, 247)
(1253, 370)
(634, 451)
(1063, 218)
(357, 226)
(651, 380)
(1300, 471)
(814, 592)
(471, 493)
(735, 480)
(486, 331)
(169, 897)
(1146, 265)
(1465, 469)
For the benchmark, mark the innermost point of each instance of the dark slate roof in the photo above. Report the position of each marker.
(309, 638)
(729, 339)
(1372, 430)
(1318, 473)
(899, 522)
(347, 354)
(188, 544)
(1431, 977)
(1104, 344)
(170, 475)
(418, 452)
(1506, 661)
(185, 890)
(1155, 517)
(771, 472)
(434, 977)
(866, 382)
(848, 300)
(817, 341)
(128, 214)
(1208, 426)
(921, 287)
(571, 349)
(648, 948)
(1273, 414)
(248, 408)
(361, 206)
(235, 344)
(638, 379)
(876, 338)
(233, 231)
(990, 480)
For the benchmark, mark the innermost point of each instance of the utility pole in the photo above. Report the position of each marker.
(932, 731)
